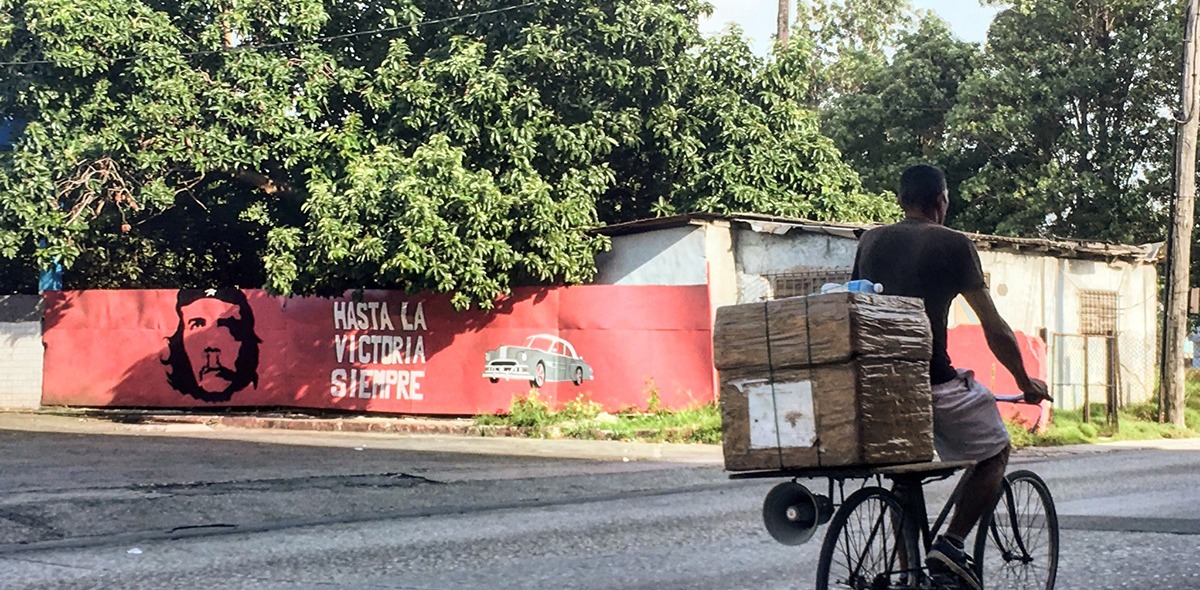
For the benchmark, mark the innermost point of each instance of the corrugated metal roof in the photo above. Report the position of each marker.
(1146, 253)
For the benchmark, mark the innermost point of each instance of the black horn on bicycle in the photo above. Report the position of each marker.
(792, 513)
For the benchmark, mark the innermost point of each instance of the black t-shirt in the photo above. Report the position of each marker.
(919, 258)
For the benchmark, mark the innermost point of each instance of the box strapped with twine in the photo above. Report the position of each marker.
(828, 380)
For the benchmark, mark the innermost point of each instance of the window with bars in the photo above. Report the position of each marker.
(805, 282)
(1097, 312)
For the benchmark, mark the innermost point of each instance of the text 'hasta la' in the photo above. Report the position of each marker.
(374, 315)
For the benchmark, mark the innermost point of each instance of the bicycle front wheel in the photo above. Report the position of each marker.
(1017, 547)
(863, 547)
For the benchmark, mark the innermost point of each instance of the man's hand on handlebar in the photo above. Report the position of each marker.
(1036, 392)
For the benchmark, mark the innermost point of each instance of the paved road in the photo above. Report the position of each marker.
(88, 504)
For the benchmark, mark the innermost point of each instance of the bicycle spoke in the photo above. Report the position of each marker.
(861, 545)
(1021, 544)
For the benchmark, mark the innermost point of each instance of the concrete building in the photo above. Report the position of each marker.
(1094, 305)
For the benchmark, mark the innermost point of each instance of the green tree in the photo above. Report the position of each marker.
(898, 116)
(1072, 110)
(848, 40)
(740, 138)
(313, 146)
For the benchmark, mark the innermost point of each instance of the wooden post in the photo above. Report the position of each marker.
(1087, 382)
(783, 22)
(1113, 360)
(1179, 258)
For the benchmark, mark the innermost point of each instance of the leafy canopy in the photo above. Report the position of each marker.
(1073, 110)
(312, 146)
(1061, 125)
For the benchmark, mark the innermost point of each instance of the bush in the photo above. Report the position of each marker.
(1067, 434)
(1089, 431)
(581, 418)
(580, 409)
(1019, 435)
(529, 411)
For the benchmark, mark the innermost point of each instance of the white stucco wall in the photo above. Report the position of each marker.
(21, 351)
(722, 264)
(760, 254)
(1037, 294)
(672, 256)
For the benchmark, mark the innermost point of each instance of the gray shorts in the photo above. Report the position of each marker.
(966, 422)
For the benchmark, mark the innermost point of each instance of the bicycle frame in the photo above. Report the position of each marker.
(908, 485)
(1007, 497)
(916, 532)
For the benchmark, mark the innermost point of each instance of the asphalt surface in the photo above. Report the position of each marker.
(91, 502)
(397, 433)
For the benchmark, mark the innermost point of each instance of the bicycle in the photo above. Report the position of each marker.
(877, 537)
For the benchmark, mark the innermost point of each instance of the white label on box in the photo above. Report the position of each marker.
(781, 416)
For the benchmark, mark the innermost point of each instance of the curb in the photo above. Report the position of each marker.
(288, 421)
(459, 427)
(368, 424)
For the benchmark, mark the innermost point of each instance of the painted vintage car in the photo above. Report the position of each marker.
(543, 358)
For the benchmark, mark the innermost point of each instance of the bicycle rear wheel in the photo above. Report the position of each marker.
(1016, 548)
(862, 548)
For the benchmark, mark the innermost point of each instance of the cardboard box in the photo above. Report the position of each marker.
(831, 380)
(820, 329)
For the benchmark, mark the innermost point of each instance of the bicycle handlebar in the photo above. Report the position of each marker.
(1018, 398)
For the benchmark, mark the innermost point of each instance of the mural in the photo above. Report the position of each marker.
(968, 349)
(391, 352)
(381, 351)
(542, 358)
(213, 353)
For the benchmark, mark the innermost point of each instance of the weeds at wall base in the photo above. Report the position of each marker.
(529, 416)
(584, 419)
(1136, 422)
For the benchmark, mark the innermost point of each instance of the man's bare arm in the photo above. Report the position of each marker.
(1003, 342)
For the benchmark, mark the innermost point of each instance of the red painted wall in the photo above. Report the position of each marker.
(968, 349)
(114, 348)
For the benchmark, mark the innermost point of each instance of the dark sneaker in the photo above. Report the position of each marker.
(947, 560)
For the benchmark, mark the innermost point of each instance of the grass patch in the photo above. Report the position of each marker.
(1138, 422)
(582, 418)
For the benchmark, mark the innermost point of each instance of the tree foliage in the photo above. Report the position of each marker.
(899, 115)
(1061, 125)
(313, 146)
(1073, 110)
(848, 41)
(740, 138)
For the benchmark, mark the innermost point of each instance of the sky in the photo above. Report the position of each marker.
(757, 18)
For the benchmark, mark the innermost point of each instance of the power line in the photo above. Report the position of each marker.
(257, 47)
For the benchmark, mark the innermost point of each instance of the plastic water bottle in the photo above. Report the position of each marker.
(859, 286)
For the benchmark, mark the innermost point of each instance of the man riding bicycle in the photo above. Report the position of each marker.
(920, 257)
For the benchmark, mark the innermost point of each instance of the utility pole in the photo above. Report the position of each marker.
(1179, 257)
(783, 23)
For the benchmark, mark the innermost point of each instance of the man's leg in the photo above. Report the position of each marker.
(967, 426)
(980, 491)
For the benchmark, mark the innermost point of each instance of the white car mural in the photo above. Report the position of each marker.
(541, 359)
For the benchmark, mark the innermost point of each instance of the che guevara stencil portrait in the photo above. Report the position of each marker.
(213, 353)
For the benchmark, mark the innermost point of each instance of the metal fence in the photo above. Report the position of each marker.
(1100, 374)
(805, 281)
